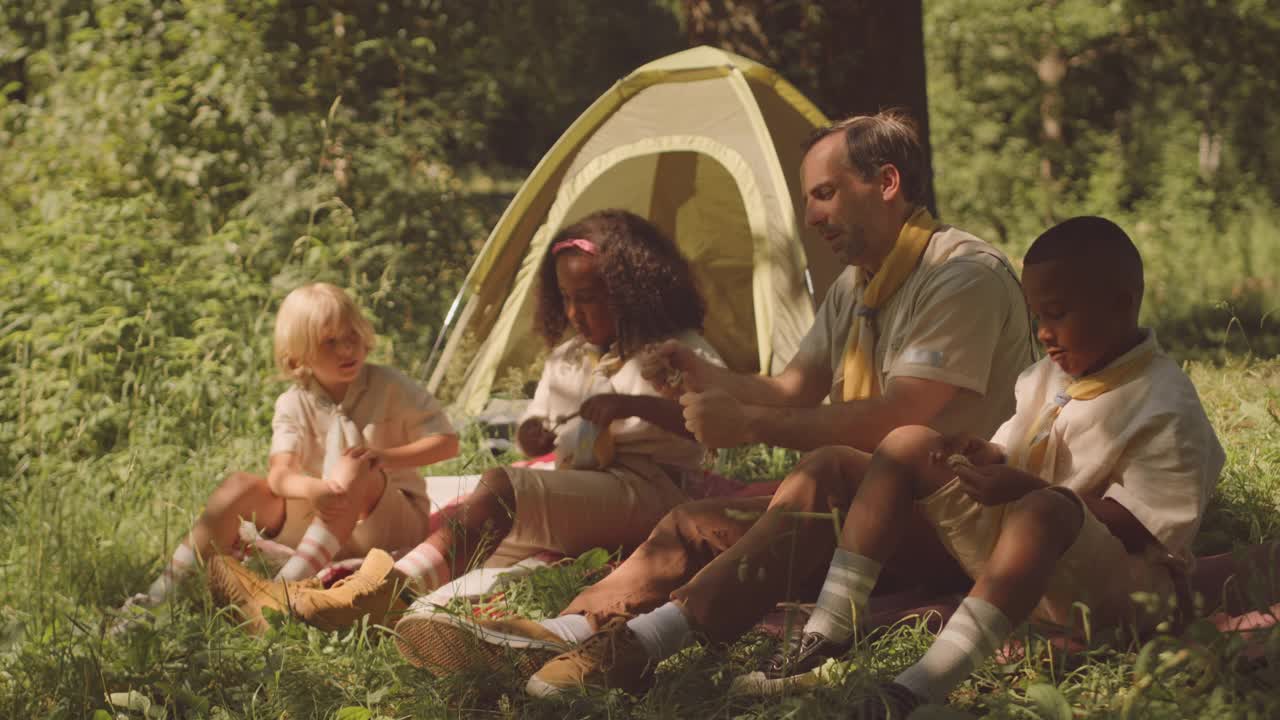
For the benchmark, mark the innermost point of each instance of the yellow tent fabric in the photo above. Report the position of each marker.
(706, 144)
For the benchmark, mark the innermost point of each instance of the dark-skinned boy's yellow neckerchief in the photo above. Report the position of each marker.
(1029, 454)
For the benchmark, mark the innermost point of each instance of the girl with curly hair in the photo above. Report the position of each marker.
(622, 452)
(618, 284)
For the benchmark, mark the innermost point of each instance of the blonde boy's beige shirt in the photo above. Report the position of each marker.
(387, 406)
(1146, 444)
(569, 377)
(960, 318)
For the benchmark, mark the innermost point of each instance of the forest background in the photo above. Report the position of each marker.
(169, 169)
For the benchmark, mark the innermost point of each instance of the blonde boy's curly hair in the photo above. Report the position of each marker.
(307, 316)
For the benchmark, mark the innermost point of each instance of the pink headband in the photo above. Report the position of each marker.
(582, 244)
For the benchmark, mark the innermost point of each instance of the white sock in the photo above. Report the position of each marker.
(314, 551)
(426, 566)
(570, 628)
(973, 634)
(844, 595)
(662, 632)
(180, 566)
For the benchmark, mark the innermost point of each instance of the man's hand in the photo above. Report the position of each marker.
(534, 438)
(715, 418)
(995, 484)
(978, 451)
(672, 367)
(604, 408)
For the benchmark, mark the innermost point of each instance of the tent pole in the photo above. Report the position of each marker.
(444, 329)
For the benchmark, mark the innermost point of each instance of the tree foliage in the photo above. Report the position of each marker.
(1163, 115)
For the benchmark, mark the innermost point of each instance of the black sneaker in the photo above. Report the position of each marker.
(813, 650)
(797, 666)
(891, 701)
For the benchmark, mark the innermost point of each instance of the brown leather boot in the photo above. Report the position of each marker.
(374, 590)
(231, 583)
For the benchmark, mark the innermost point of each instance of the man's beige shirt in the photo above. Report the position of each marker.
(960, 318)
(1146, 444)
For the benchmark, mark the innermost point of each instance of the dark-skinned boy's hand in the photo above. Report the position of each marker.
(979, 451)
(534, 438)
(996, 484)
(604, 408)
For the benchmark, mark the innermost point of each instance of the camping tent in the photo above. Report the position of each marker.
(707, 145)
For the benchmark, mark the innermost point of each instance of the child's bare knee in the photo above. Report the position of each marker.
(497, 482)
(233, 490)
(910, 444)
(1056, 510)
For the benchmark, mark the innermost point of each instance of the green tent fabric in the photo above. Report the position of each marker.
(707, 145)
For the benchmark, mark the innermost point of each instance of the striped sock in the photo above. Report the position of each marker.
(973, 634)
(426, 566)
(180, 566)
(314, 551)
(844, 595)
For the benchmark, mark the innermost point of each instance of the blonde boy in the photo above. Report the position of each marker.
(346, 440)
(1091, 492)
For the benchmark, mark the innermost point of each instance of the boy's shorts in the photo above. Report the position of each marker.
(399, 521)
(571, 511)
(1096, 570)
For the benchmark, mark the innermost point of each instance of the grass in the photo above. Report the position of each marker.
(78, 534)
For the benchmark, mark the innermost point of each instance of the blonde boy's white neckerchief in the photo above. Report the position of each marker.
(343, 433)
(342, 436)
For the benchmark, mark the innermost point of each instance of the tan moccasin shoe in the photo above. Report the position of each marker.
(374, 590)
(611, 658)
(231, 583)
(445, 644)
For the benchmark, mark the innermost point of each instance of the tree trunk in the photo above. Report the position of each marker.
(1051, 68)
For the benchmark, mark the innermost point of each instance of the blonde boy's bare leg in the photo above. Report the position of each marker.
(336, 515)
(239, 495)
